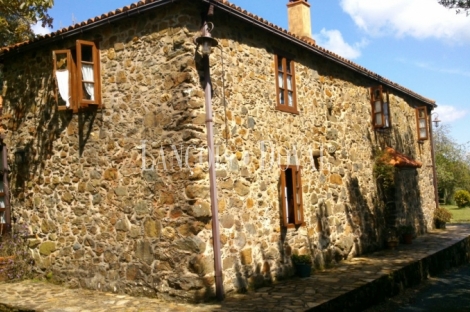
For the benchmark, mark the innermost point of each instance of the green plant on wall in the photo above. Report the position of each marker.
(384, 173)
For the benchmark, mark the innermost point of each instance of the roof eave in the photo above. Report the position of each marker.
(79, 28)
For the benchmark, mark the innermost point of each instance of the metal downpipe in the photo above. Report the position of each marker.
(219, 286)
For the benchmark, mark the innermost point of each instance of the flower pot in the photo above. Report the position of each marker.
(407, 238)
(303, 269)
(440, 224)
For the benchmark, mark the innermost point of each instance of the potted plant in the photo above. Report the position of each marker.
(303, 265)
(441, 217)
(392, 238)
(406, 233)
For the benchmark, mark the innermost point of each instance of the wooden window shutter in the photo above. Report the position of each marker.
(284, 201)
(286, 97)
(387, 112)
(298, 202)
(88, 74)
(5, 209)
(291, 201)
(63, 67)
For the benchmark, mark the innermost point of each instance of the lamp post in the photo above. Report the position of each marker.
(433, 155)
(207, 42)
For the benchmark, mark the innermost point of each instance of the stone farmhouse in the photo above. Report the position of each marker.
(106, 126)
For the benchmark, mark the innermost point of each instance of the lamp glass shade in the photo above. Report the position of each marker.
(207, 43)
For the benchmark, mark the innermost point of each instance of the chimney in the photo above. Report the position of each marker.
(298, 12)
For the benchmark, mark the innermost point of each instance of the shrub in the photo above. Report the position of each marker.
(16, 261)
(442, 215)
(384, 171)
(462, 198)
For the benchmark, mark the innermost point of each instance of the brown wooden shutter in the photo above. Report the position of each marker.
(88, 55)
(5, 210)
(62, 60)
(387, 107)
(283, 197)
(298, 202)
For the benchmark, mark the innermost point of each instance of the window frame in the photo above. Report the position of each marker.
(426, 123)
(384, 107)
(70, 68)
(284, 61)
(96, 74)
(74, 62)
(295, 206)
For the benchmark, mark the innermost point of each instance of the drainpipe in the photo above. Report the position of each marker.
(206, 36)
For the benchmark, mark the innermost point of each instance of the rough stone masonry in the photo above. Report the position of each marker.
(98, 220)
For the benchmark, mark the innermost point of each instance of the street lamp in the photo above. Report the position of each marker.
(433, 155)
(207, 42)
(436, 119)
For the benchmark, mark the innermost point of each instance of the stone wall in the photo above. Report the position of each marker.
(99, 221)
(344, 215)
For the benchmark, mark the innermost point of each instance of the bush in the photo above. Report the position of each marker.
(15, 259)
(462, 198)
(442, 215)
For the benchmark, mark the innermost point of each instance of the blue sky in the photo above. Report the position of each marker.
(417, 44)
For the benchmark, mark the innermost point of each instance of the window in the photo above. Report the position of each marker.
(380, 108)
(5, 222)
(77, 73)
(291, 196)
(285, 85)
(422, 121)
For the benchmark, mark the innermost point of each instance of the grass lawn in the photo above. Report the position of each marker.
(458, 214)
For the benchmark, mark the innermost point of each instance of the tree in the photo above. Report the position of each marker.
(452, 164)
(459, 5)
(17, 17)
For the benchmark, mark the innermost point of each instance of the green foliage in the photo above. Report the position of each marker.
(442, 214)
(384, 171)
(460, 6)
(452, 165)
(14, 251)
(462, 198)
(17, 17)
(301, 259)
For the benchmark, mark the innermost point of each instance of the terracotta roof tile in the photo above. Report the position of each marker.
(310, 43)
(400, 160)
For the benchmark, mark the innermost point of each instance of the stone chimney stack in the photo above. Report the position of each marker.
(298, 12)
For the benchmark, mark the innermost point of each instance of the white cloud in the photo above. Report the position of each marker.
(417, 18)
(39, 30)
(449, 113)
(435, 68)
(333, 40)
